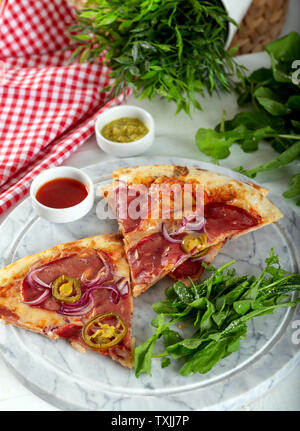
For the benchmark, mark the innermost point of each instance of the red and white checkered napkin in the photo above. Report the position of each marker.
(47, 107)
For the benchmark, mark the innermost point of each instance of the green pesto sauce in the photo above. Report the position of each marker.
(124, 130)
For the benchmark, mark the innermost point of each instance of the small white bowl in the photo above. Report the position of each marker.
(125, 149)
(62, 215)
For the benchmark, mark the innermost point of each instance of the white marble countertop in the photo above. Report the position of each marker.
(175, 136)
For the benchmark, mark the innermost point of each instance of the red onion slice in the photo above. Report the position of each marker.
(80, 303)
(197, 225)
(34, 282)
(185, 226)
(85, 299)
(78, 311)
(86, 302)
(40, 299)
(183, 258)
(168, 237)
(182, 227)
(180, 261)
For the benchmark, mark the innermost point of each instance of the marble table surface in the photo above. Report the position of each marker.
(175, 136)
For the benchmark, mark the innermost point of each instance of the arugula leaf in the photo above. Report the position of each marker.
(184, 293)
(164, 307)
(217, 311)
(143, 353)
(206, 358)
(143, 356)
(171, 337)
(242, 306)
(217, 144)
(203, 360)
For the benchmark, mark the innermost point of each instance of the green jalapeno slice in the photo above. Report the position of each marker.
(66, 289)
(192, 242)
(104, 331)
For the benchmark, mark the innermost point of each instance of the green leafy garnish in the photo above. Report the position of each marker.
(274, 97)
(170, 48)
(216, 311)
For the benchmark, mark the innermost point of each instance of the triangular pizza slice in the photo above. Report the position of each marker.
(157, 242)
(79, 291)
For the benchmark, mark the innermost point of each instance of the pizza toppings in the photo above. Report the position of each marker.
(67, 285)
(193, 243)
(188, 224)
(150, 256)
(84, 306)
(34, 281)
(70, 331)
(104, 331)
(87, 303)
(40, 299)
(66, 289)
(168, 236)
(199, 255)
(153, 254)
(193, 268)
(222, 218)
(189, 268)
(85, 266)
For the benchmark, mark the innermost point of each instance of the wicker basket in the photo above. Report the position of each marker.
(261, 25)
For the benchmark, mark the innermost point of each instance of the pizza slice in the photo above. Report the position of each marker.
(78, 291)
(157, 241)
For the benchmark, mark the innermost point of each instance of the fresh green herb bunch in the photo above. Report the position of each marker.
(217, 311)
(170, 48)
(271, 97)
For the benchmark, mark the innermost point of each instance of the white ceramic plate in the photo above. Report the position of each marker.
(71, 380)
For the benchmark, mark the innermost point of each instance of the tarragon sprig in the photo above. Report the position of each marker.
(171, 48)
